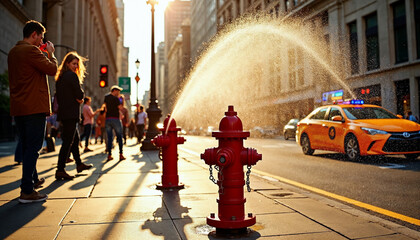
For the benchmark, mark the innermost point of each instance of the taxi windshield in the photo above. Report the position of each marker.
(367, 113)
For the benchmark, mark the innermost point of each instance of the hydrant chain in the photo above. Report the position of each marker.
(221, 179)
(211, 174)
(248, 187)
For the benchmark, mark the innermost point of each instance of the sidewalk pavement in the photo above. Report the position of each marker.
(118, 200)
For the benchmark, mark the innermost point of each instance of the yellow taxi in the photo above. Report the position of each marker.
(356, 129)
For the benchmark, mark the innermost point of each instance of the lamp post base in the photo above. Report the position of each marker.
(153, 113)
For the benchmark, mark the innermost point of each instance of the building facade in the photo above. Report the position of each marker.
(161, 72)
(375, 43)
(203, 25)
(90, 27)
(175, 14)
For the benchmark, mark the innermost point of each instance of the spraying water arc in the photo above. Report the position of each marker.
(247, 57)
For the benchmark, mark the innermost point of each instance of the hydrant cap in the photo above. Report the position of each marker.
(231, 125)
(172, 124)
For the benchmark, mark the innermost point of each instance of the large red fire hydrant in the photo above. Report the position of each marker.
(167, 142)
(230, 157)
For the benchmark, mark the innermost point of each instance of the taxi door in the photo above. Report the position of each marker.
(334, 131)
(315, 128)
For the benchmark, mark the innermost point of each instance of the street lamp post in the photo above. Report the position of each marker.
(137, 80)
(153, 112)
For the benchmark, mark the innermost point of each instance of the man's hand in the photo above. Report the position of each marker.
(50, 49)
(79, 101)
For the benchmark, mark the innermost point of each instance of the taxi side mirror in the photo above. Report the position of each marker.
(400, 116)
(337, 118)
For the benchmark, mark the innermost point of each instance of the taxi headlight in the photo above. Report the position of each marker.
(372, 131)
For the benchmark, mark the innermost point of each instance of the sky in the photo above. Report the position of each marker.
(137, 36)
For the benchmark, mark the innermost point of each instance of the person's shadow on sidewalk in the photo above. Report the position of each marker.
(15, 216)
(172, 202)
(94, 177)
(16, 184)
(132, 190)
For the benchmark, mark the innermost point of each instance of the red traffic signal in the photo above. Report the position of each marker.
(103, 76)
(104, 69)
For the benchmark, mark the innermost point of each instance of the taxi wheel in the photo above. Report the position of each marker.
(352, 148)
(412, 156)
(306, 145)
(286, 137)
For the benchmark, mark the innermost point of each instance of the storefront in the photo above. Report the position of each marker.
(369, 94)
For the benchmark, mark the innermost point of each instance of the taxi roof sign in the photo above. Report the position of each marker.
(357, 102)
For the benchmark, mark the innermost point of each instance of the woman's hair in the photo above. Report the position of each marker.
(80, 71)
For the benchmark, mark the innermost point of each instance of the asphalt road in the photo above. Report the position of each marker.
(391, 183)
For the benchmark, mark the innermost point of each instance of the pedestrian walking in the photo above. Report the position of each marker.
(69, 78)
(124, 119)
(88, 115)
(30, 102)
(141, 120)
(411, 117)
(113, 122)
(100, 123)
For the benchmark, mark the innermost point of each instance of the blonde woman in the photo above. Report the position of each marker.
(70, 95)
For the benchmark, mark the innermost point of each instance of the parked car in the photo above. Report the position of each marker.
(356, 129)
(266, 132)
(289, 130)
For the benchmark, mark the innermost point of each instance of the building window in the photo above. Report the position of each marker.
(277, 8)
(287, 4)
(417, 21)
(400, 32)
(354, 49)
(295, 2)
(372, 42)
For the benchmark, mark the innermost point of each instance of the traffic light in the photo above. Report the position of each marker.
(103, 76)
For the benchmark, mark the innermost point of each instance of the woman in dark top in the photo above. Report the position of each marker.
(70, 95)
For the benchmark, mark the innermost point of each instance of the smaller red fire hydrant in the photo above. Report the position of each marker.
(167, 142)
(230, 157)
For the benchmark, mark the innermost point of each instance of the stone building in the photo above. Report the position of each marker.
(94, 28)
(203, 25)
(179, 63)
(175, 14)
(161, 72)
(375, 43)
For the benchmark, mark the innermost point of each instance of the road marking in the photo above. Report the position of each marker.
(271, 146)
(189, 151)
(392, 165)
(331, 195)
(344, 199)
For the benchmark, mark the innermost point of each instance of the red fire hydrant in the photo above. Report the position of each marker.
(230, 157)
(167, 142)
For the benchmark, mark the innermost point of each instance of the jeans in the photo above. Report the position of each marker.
(86, 133)
(140, 132)
(31, 130)
(19, 152)
(113, 124)
(70, 137)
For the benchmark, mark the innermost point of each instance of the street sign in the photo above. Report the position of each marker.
(125, 84)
